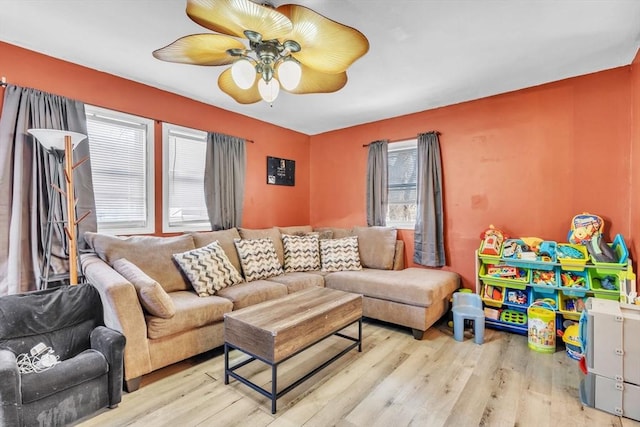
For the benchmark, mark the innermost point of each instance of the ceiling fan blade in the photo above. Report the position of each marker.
(327, 46)
(200, 49)
(314, 81)
(233, 17)
(242, 96)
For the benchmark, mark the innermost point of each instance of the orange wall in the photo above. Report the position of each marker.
(635, 159)
(525, 161)
(265, 205)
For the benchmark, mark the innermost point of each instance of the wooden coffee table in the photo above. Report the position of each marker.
(276, 330)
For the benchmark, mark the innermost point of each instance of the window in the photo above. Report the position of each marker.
(121, 147)
(184, 152)
(402, 184)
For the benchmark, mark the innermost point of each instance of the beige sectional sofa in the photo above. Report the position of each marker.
(149, 299)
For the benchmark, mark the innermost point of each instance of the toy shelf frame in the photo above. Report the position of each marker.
(554, 292)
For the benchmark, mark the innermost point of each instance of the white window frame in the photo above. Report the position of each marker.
(117, 116)
(195, 134)
(398, 146)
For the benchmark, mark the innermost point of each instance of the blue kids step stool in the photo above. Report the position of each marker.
(468, 306)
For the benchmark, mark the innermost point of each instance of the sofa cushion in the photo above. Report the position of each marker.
(412, 286)
(68, 373)
(152, 254)
(296, 230)
(333, 232)
(153, 298)
(258, 258)
(296, 281)
(324, 234)
(208, 269)
(225, 239)
(272, 233)
(377, 246)
(340, 254)
(191, 312)
(246, 294)
(301, 253)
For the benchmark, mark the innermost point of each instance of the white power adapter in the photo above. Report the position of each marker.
(46, 361)
(39, 349)
(40, 358)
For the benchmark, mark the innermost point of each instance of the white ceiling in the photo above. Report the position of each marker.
(424, 53)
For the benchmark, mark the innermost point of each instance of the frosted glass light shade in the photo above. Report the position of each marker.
(243, 73)
(54, 138)
(289, 73)
(269, 91)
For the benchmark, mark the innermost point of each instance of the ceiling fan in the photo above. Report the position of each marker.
(290, 46)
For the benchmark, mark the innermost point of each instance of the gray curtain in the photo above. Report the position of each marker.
(377, 178)
(26, 172)
(429, 232)
(224, 176)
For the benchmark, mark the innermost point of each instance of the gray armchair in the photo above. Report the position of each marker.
(87, 378)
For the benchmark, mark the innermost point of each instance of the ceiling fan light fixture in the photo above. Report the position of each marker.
(243, 73)
(289, 74)
(268, 90)
(324, 49)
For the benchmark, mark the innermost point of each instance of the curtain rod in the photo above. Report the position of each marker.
(402, 139)
(3, 83)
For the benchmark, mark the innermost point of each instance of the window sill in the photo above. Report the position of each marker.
(402, 226)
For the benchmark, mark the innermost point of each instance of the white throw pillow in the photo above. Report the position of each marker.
(208, 269)
(258, 258)
(301, 253)
(340, 254)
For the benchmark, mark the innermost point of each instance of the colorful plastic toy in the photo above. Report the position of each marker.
(517, 297)
(571, 338)
(492, 241)
(543, 277)
(572, 280)
(599, 250)
(569, 252)
(584, 226)
(501, 271)
(514, 317)
(608, 283)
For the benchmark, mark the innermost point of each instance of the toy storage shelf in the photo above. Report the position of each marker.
(564, 285)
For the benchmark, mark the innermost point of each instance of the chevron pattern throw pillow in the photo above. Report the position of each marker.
(340, 254)
(258, 258)
(301, 253)
(208, 269)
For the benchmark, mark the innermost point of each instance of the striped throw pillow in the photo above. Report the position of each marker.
(340, 254)
(208, 269)
(258, 258)
(301, 253)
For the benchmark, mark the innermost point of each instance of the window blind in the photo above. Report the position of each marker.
(184, 207)
(120, 165)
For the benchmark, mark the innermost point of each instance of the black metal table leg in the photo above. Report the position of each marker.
(274, 394)
(274, 387)
(226, 364)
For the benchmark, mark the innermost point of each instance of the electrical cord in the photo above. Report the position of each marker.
(37, 361)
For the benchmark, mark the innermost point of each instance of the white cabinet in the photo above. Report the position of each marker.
(611, 332)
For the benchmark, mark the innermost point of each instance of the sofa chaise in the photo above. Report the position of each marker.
(149, 296)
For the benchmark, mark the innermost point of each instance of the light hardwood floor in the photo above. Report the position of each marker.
(396, 381)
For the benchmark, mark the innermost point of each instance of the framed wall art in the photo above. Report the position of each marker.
(281, 171)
